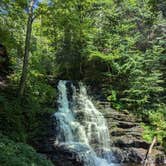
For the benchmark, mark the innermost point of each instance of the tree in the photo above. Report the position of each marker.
(69, 35)
(27, 48)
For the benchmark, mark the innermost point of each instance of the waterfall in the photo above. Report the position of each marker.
(80, 126)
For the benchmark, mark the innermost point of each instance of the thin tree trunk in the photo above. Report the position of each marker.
(149, 151)
(27, 48)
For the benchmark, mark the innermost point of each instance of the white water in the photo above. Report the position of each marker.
(81, 127)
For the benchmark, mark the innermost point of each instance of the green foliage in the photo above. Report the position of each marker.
(156, 126)
(12, 117)
(148, 133)
(21, 117)
(19, 154)
(119, 45)
(144, 88)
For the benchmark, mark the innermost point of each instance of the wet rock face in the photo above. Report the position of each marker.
(63, 156)
(127, 143)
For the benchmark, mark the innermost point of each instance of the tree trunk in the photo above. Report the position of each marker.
(149, 151)
(27, 48)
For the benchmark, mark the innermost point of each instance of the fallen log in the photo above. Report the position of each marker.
(145, 163)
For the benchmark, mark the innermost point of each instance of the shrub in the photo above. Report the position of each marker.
(19, 154)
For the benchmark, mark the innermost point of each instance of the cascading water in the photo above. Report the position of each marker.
(81, 127)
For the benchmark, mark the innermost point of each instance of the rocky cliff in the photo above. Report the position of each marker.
(126, 133)
(127, 144)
